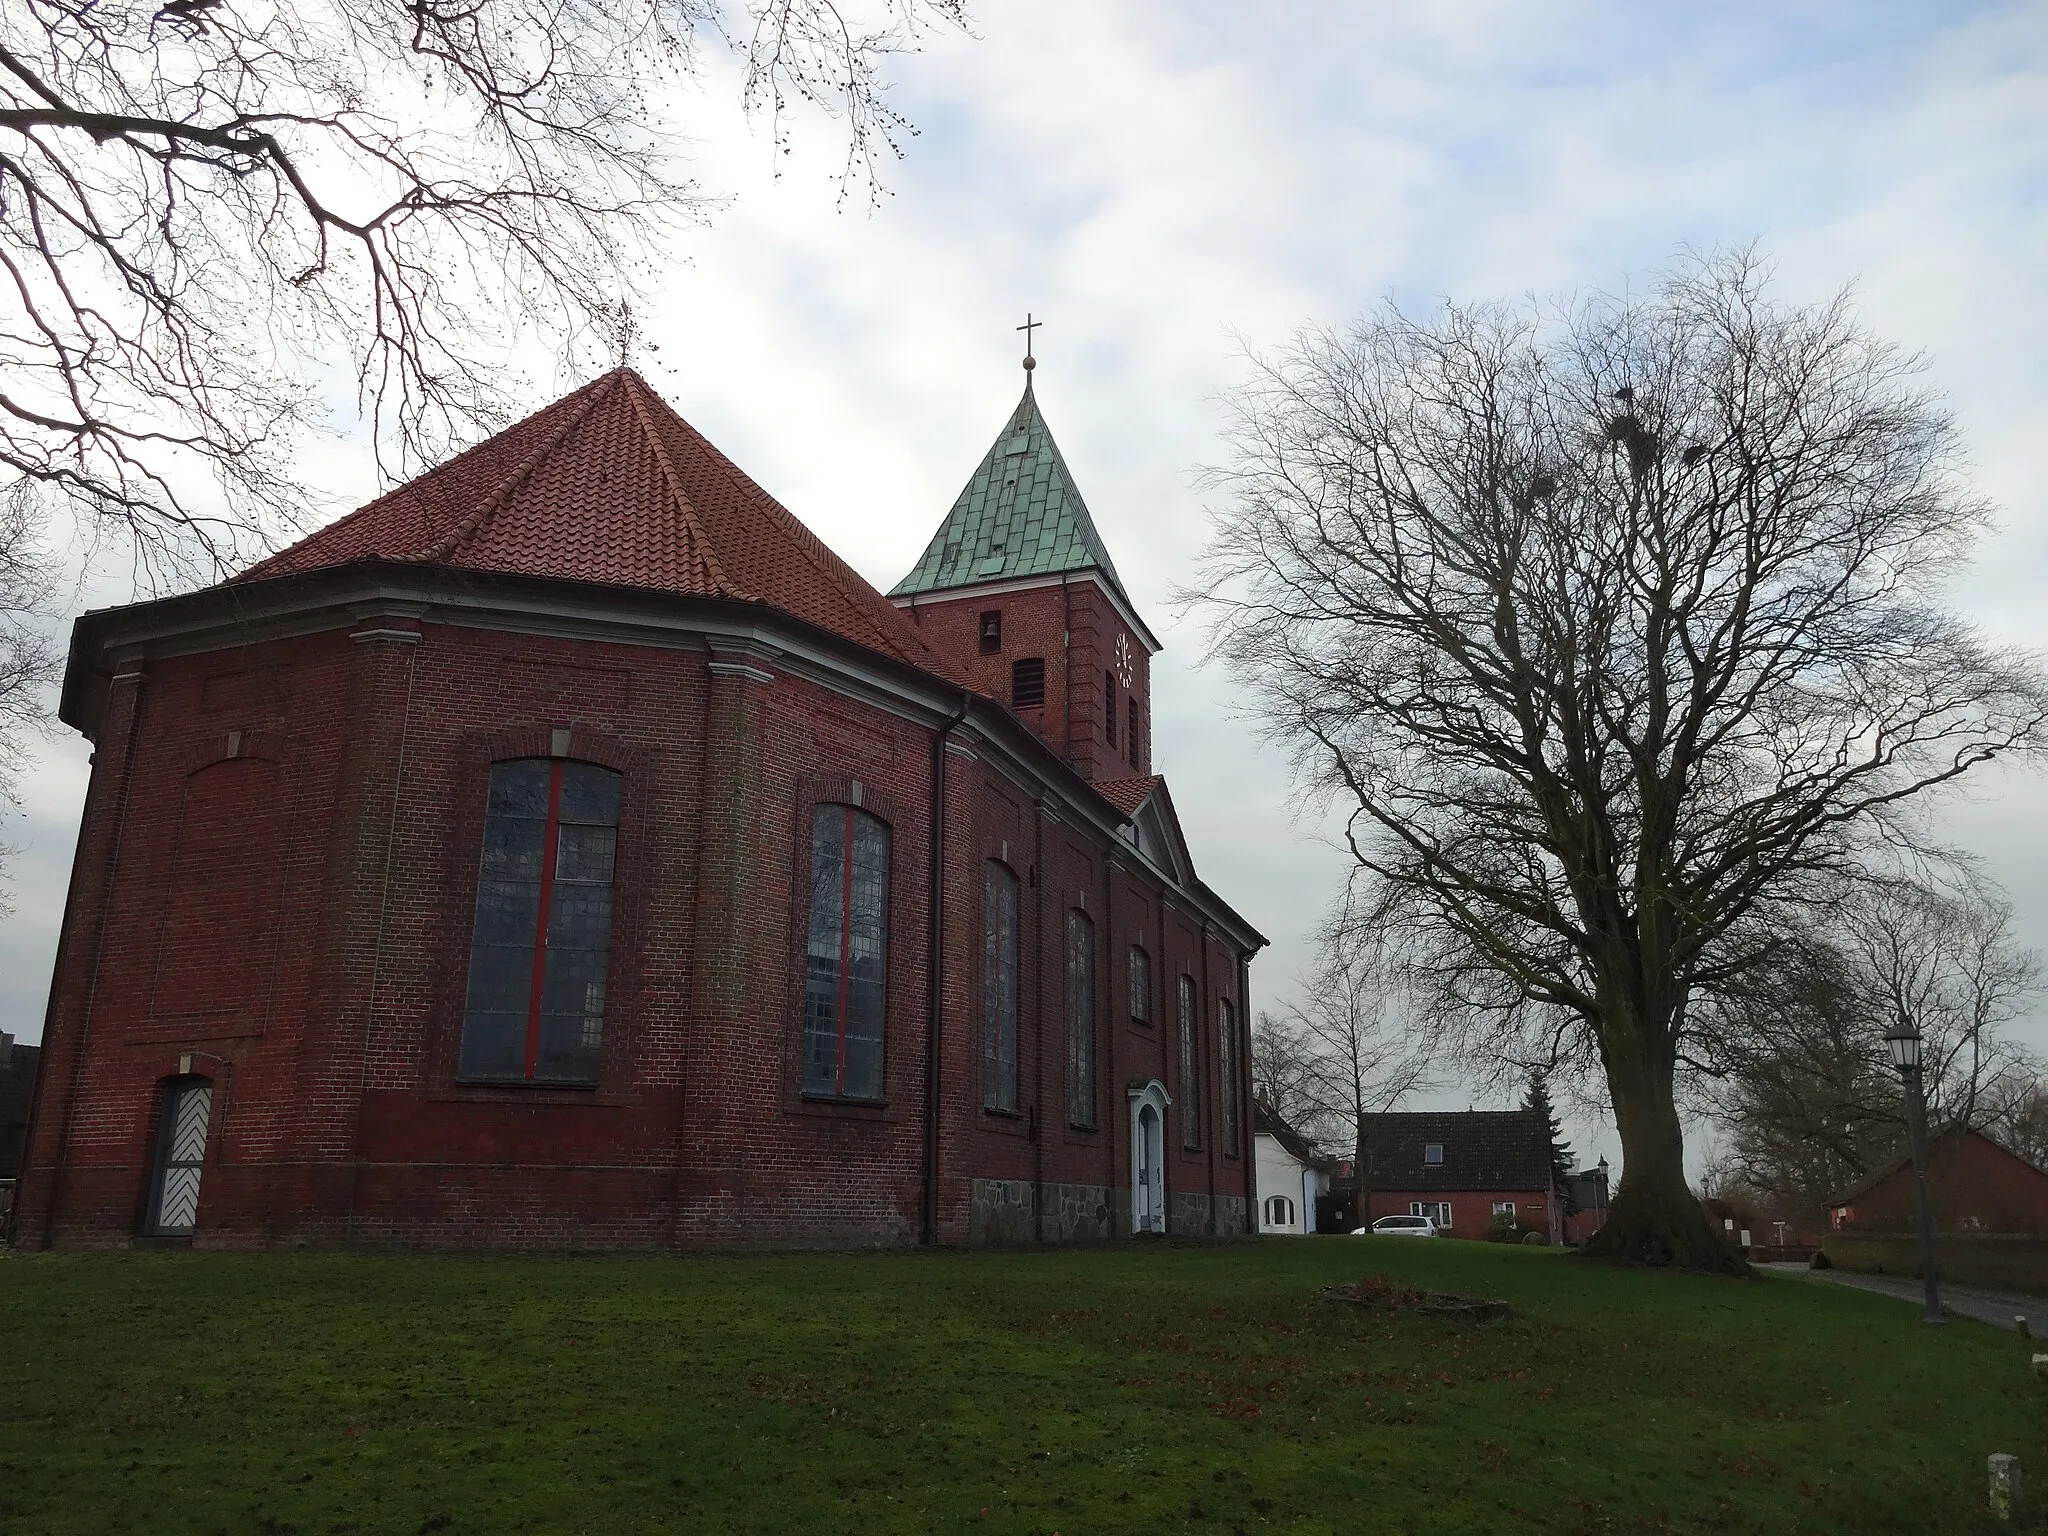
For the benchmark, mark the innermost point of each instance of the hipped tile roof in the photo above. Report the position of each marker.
(609, 484)
(17, 1090)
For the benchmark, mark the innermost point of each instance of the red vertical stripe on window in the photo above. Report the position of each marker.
(550, 840)
(845, 944)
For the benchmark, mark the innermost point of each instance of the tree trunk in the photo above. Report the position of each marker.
(1361, 1170)
(1655, 1218)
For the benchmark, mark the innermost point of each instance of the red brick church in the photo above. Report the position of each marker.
(568, 850)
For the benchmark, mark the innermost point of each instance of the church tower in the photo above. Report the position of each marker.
(1017, 585)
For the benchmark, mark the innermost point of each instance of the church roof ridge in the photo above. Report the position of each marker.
(695, 542)
(889, 627)
(1019, 515)
(610, 484)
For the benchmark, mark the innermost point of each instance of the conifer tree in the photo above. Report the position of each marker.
(1538, 1099)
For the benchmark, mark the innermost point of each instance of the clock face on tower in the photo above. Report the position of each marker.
(1123, 660)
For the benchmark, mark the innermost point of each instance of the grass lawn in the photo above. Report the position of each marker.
(1144, 1387)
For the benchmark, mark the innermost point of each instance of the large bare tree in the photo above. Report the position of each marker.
(28, 661)
(1612, 628)
(213, 213)
(1284, 1074)
(1799, 1074)
(1355, 1049)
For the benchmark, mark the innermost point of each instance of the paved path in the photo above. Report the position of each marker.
(1997, 1308)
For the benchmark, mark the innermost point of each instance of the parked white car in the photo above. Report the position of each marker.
(1399, 1226)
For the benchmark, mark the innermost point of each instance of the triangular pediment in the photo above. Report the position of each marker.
(1151, 825)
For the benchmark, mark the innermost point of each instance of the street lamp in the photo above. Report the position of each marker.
(1902, 1044)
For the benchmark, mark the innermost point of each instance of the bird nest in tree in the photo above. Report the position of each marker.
(1384, 1293)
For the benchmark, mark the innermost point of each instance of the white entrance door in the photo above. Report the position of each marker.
(1149, 1215)
(1148, 1157)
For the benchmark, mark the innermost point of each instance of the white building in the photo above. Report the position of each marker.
(1288, 1175)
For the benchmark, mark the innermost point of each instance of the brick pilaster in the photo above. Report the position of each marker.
(67, 1029)
(345, 1000)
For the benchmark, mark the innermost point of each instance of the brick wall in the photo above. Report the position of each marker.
(1075, 630)
(1973, 1185)
(276, 887)
(1471, 1210)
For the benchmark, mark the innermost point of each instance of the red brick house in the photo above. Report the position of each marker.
(1462, 1168)
(567, 849)
(17, 1088)
(1973, 1185)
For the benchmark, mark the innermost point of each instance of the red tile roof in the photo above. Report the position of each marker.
(1127, 794)
(609, 484)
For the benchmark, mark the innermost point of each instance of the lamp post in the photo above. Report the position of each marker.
(1902, 1044)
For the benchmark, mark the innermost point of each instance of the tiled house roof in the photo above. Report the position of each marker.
(609, 484)
(1292, 1142)
(1955, 1131)
(1128, 794)
(1482, 1150)
(1019, 516)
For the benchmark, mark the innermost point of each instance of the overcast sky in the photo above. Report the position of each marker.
(1154, 180)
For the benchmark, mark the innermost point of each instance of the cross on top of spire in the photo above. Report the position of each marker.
(1027, 328)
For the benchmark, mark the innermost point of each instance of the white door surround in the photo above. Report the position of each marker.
(1149, 1103)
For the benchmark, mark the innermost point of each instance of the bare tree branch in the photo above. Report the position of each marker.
(1352, 1045)
(207, 204)
(28, 661)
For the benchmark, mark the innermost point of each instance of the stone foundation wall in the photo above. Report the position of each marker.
(1007, 1211)
(1001, 1211)
(1077, 1212)
(1187, 1214)
(1233, 1215)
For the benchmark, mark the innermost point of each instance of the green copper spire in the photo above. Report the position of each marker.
(1019, 516)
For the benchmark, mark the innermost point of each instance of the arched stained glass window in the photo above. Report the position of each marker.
(1080, 1018)
(999, 988)
(1141, 985)
(1190, 1066)
(542, 939)
(1226, 1068)
(846, 959)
